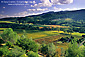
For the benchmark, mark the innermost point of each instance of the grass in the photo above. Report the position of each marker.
(3, 28)
(78, 34)
(6, 22)
(39, 34)
(36, 34)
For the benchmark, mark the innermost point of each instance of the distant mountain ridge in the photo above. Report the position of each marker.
(75, 15)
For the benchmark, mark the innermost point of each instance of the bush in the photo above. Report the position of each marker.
(9, 44)
(28, 44)
(73, 49)
(4, 51)
(49, 49)
(17, 51)
(9, 35)
(32, 54)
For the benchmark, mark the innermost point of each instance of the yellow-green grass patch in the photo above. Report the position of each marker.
(6, 22)
(40, 34)
(78, 34)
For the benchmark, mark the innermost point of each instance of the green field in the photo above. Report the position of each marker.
(6, 22)
(36, 34)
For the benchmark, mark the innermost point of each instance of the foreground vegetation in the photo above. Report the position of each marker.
(13, 45)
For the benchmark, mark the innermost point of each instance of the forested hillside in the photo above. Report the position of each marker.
(75, 15)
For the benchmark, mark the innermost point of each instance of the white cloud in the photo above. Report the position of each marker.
(57, 9)
(61, 2)
(4, 7)
(70, 9)
(66, 9)
(24, 13)
(5, 16)
(26, 2)
(37, 10)
(32, 2)
(66, 1)
(48, 3)
(44, 3)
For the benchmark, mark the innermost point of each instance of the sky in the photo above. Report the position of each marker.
(22, 8)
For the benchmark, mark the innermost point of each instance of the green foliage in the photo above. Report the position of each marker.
(14, 52)
(17, 51)
(49, 49)
(83, 51)
(9, 44)
(62, 52)
(73, 50)
(1, 41)
(28, 44)
(9, 35)
(24, 55)
(4, 51)
(44, 48)
(32, 54)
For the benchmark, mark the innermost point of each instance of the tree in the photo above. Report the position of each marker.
(4, 51)
(44, 48)
(73, 49)
(14, 52)
(28, 44)
(49, 49)
(32, 54)
(9, 35)
(17, 51)
(9, 44)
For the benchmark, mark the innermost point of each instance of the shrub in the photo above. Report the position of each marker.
(32, 54)
(9, 35)
(28, 44)
(73, 49)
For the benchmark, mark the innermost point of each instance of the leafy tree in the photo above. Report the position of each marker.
(17, 51)
(73, 50)
(83, 51)
(32, 54)
(4, 51)
(9, 44)
(9, 35)
(14, 52)
(28, 44)
(44, 48)
(51, 49)
(1, 41)
(62, 52)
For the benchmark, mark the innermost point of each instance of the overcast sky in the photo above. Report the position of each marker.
(21, 8)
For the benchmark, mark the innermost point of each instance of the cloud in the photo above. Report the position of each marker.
(37, 10)
(32, 2)
(48, 3)
(5, 16)
(4, 7)
(66, 9)
(61, 2)
(57, 9)
(44, 3)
